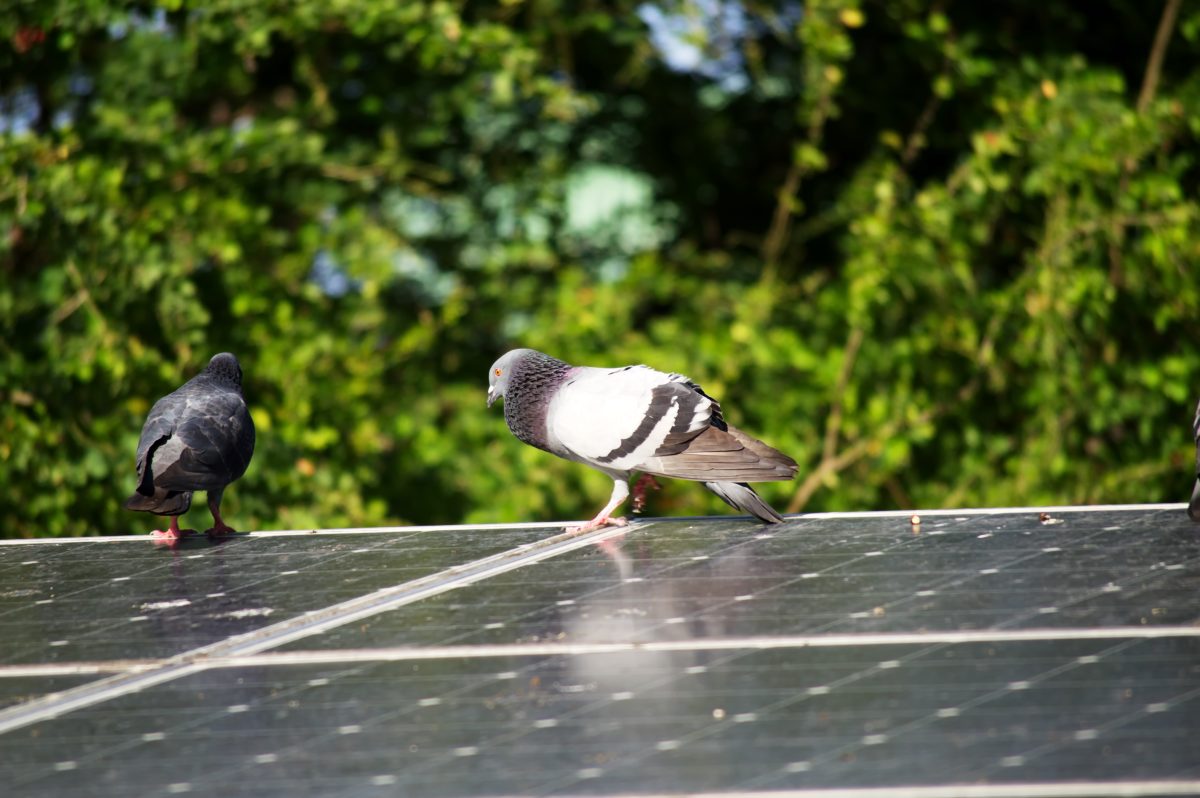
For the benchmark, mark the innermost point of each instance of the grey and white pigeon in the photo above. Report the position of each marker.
(622, 420)
(1194, 504)
(200, 437)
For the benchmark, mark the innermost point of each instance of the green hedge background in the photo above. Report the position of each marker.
(944, 254)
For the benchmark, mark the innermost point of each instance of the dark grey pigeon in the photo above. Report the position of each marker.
(200, 437)
(622, 420)
(1194, 504)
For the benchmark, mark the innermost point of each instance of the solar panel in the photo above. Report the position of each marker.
(88, 601)
(978, 653)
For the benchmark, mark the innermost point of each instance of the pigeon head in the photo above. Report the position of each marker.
(225, 368)
(501, 371)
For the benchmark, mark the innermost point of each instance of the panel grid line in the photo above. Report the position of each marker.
(549, 649)
(1052, 789)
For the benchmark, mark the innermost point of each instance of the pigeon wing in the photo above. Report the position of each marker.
(211, 447)
(722, 455)
(639, 419)
(158, 429)
(614, 419)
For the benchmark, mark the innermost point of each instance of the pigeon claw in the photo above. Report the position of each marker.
(220, 531)
(597, 523)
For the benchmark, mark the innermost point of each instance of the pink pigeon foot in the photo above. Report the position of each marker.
(172, 533)
(644, 483)
(597, 522)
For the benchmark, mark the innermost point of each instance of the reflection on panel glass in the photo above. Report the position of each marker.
(687, 580)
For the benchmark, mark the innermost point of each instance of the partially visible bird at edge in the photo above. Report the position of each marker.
(200, 437)
(1194, 504)
(633, 419)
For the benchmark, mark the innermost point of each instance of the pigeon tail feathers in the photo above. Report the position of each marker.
(741, 496)
(163, 502)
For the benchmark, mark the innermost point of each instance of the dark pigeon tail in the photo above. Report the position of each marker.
(163, 502)
(741, 496)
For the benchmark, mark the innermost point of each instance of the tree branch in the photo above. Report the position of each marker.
(776, 237)
(833, 424)
(1158, 52)
(773, 243)
(1166, 26)
(830, 466)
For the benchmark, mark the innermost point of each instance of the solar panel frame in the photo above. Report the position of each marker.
(923, 654)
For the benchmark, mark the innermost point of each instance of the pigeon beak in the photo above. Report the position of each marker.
(491, 395)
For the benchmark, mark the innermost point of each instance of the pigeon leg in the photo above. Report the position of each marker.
(645, 482)
(219, 528)
(620, 494)
(173, 532)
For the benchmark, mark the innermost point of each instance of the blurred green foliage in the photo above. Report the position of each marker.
(943, 254)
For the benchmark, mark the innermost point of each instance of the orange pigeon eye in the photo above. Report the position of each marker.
(497, 372)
